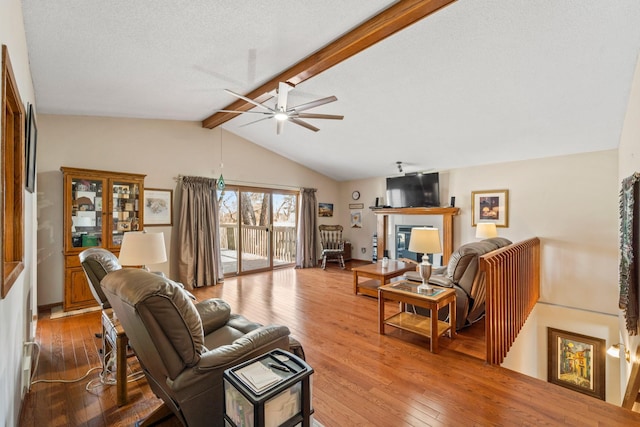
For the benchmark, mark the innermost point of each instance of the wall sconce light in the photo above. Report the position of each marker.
(616, 349)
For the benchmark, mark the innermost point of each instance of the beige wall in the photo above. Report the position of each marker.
(162, 150)
(14, 308)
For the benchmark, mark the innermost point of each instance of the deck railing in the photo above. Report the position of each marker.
(512, 278)
(255, 241)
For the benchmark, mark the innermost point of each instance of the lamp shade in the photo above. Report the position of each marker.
(486, 230)
(425, 240)
(142, 248)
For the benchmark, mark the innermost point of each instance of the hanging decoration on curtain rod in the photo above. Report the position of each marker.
(221, 183)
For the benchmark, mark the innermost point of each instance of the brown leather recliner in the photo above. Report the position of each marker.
(96, 263)
(462, 274)
(184, 347)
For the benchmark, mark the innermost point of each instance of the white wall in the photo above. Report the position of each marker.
(13, 308)
(628, 163)
(162, 150)
(571, 204)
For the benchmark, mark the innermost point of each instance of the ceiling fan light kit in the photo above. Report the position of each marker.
(282, 113)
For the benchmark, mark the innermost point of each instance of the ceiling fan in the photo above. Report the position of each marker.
(283, 113)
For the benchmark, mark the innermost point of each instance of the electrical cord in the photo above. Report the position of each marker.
(105, 376)
(33, 373)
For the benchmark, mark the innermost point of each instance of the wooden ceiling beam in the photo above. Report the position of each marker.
(388, 22)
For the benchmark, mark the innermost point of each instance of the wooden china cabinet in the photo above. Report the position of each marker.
(99, 207)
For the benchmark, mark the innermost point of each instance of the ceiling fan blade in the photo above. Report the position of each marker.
(256, 121)
(304, 124)
(318, 116)
(312, 104)
(249, 100)
(279, 126)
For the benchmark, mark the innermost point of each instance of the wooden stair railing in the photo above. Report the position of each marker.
(633, 386)
(512, 280)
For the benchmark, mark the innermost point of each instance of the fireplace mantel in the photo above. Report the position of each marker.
(447, 225)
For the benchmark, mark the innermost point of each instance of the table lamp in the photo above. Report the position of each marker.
(142, 248)
(425, 240)
(486, 230)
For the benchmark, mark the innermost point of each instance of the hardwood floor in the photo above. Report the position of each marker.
(361, 378)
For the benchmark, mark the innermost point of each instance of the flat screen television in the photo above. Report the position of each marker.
(414, 190)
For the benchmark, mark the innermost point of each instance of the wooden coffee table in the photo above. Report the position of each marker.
(377, 276)
(429, 326)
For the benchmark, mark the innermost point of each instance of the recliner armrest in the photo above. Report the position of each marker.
(443, 281)
(439, 270)
(253, 340)
(214, 313)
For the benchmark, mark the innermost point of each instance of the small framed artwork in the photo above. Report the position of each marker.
(356, 219)
(576, 362)
(158, 206)
(325, 209)
(490, 206)
(356, 205)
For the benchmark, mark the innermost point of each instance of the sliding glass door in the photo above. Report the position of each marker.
(257, 228)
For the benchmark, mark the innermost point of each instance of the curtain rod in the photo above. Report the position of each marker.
(254, 184)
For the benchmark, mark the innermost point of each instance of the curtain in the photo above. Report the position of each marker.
(306, 250)
(199, 260)
(629, 292)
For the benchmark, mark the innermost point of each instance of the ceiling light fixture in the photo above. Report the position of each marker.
(282, 116)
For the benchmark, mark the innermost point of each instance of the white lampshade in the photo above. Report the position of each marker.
(486, 230)
(425, 240)
(142, 248)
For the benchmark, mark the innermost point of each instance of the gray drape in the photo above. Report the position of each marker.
(307, 251)
(199, 260)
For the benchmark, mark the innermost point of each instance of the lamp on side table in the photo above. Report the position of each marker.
(142, 248)
(425, 240)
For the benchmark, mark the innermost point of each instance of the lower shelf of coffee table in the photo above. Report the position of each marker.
(369, 288)
(416, 323)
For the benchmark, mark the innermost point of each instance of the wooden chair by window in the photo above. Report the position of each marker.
(332, 244)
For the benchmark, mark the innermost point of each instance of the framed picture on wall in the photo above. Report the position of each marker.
(325, 209)
(157, 206)
(576, 362)
(490, 206)
(356, 219)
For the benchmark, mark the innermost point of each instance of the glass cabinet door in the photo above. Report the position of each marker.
(125, 209)
(86, 212)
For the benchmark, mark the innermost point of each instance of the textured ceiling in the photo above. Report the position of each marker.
(477, 82)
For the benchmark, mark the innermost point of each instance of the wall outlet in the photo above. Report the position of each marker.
(363, 250)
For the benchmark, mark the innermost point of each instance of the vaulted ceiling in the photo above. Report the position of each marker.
(476, 82)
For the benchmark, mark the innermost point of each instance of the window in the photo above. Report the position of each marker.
(257, 228)
(13, 127)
